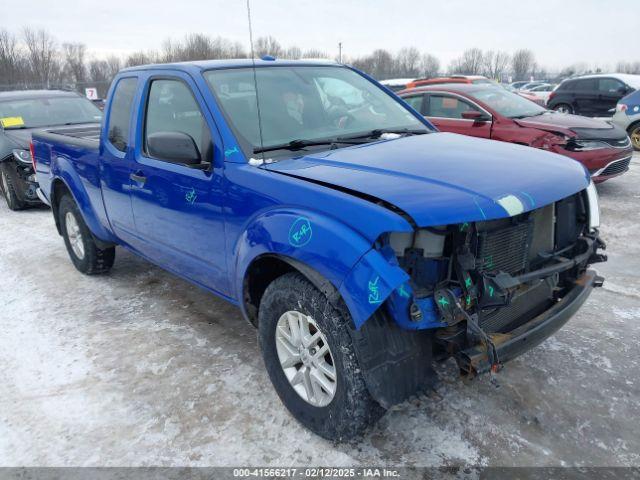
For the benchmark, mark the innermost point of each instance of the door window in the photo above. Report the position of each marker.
(120, 113)
(444, 106)
(586, 85)
(415, 101)
(171, 107)
(609, 85)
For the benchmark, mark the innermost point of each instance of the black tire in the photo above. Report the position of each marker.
(95, 260)
(564, 107)
(634, 135)
(8, 189)
(352, 408)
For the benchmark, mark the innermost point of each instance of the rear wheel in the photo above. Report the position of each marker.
(8, 189)
(563, 108)
(85, 254)
(311, 360)
(634, 134)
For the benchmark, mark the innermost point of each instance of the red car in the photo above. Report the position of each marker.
(471, 80)
(492, 112)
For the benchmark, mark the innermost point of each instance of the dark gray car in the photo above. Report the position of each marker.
(21, 112)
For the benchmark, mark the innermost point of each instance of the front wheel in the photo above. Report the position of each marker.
(634, 135)
(85, 254)
(310, 359)
(9, 190)
(563, 108)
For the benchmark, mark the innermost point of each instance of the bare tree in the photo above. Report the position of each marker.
(75, 68)
(12, 62)
(470, 63)
(42, 55)
(314, 53)
(267, 46)
(628, 67)
(140, 58)
(522, 64)
(407, 62)
(293, 53)
(495, 64)
(429, 66)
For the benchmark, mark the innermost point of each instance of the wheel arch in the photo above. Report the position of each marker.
(266, 268)
(338, 260)
(60, 187)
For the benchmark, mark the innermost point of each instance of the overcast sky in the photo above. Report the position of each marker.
(560, 32)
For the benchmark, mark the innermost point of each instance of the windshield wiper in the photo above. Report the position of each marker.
(532, 115)
(299, 144)
(378, 132)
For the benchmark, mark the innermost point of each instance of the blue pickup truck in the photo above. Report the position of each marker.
(362, 243)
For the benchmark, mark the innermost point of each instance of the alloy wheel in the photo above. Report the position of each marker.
(75, 235)
(635, 137)
(305, 358)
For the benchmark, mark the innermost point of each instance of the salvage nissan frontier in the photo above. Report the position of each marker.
(362, 243)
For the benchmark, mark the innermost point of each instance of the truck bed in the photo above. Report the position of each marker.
(84, 136)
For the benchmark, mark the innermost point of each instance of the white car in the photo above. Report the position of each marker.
(542, 91)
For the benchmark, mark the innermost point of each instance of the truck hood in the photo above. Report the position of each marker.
(573, 125)
(444, 178)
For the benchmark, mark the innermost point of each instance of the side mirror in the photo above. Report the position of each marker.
(174, 147)
(474, 115)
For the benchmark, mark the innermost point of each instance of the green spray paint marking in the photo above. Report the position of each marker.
(300, 232)
(191, 196)
(488, 261)
(490, 291)
(464, 226)
(374, 292)
(403, 292)
(467, 282)
(443, 301)
(468, 299)
(533, 202)
(479, 208)
(230, 151)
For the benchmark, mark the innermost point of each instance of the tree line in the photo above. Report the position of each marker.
(35, 59)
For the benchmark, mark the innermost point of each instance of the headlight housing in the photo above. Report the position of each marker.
(594, 206)
(22, 156)
(586, 145)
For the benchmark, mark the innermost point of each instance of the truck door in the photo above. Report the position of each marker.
(116, 158)
(177, 207)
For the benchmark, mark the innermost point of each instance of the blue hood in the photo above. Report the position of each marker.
(444, 178)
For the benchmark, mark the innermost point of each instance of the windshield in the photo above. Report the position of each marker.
(508, 104)
(48, 111)
(304, 103)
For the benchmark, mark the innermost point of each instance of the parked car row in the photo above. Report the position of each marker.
(488, 111)
(21, 113)
(362, 243)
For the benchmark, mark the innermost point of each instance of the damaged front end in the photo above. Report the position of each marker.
(493, 289)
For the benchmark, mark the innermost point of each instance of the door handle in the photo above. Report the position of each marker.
(138, 177)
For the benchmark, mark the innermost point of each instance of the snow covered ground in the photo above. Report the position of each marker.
(141, 368)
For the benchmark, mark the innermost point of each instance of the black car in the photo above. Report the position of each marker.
(20, 113)
(592, 95)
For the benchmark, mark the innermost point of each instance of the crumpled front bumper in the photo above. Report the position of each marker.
(474, 361)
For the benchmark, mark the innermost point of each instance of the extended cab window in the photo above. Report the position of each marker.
(444, 106)
(120, 114)
(171, 107)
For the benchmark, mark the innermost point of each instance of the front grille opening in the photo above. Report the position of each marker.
(616, 168)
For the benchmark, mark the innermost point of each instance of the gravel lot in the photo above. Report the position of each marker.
(141, 368)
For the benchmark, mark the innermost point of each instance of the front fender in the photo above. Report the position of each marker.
(63, 171)
(327, 246)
